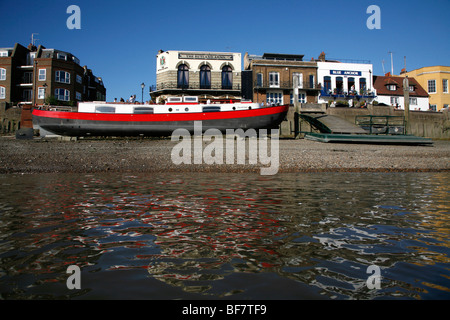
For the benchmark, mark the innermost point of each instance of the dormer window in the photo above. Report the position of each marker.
(61, 56)
(411, 88)
(392, 87)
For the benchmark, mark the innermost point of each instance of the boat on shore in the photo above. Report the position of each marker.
(121, 119)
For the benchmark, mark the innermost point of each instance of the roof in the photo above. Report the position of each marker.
(283, 56)
(380, 83)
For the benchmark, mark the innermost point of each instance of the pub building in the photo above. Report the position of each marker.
(348, 83)
(213, 76)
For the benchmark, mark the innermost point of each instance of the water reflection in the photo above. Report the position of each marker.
(217, 235)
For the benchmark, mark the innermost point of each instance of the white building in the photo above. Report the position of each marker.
(390, 92)
(208, 75)
(342, 81)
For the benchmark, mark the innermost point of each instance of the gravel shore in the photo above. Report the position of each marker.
(154, 155)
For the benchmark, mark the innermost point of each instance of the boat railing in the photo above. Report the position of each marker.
(57, 108)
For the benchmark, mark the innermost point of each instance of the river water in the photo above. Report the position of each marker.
(226, 236)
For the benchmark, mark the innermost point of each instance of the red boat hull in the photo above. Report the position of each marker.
(104, 124)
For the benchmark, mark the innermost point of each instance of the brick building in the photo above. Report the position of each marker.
(272, 78)
(33, 74)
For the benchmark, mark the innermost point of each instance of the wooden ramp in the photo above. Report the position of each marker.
(332, 124)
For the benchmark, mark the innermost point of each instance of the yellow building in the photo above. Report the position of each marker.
(435, 80)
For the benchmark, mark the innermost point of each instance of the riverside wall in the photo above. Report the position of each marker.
(428, 124)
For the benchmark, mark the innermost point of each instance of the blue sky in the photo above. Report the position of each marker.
(119, 40)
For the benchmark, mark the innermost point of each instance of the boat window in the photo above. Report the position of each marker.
(174, 99)
(211, 109)
(143, 110)
(190, 99)
(105, 109)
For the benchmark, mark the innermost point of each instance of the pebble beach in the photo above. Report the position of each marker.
(154, 155)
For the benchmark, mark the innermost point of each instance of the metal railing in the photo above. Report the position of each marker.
(347, 94)
(382, 124)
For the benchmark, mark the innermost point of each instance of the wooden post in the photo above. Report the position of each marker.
(406, 102)
(296, 108)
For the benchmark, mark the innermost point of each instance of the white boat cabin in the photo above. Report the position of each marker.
(186, 104)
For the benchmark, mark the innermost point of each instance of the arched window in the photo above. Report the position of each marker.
(205, 77)
(227, 77)
(351, 84)
(183, 76)
(362, 84)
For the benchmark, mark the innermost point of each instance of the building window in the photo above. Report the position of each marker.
(61, 56)
(41, 93)
(274, 98)
(227, 77)
(274, 79)
(351, 84)
(2, 92)
(27, 95)
(2, 74)
(79, 79)
(299, 76)
(392, 87)
(30, 58)
(394, 101)
(62, 94)
(339, 85)
(205, 77)
(259, 79)
(411, 88)
(433, 107)
(311, 81)
(327, 84)
(62, 76)
(42, 74)
(3, 53)
(78, 96)
(362, 84)
(301, 97)
(413, 101)
(27, 77)
(183, 77)
(445, 85)
(431, 86)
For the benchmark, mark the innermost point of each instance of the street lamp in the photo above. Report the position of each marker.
(142, 86)
(45, 90)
